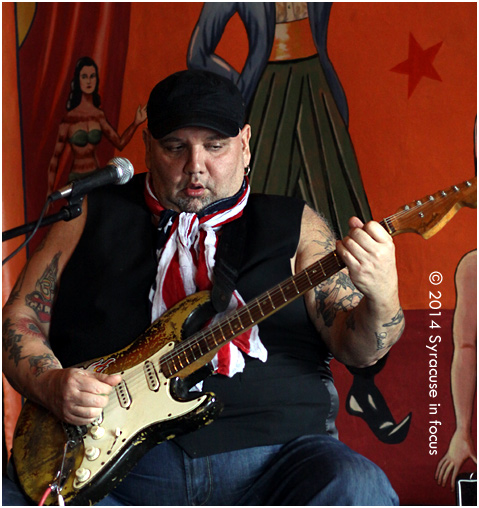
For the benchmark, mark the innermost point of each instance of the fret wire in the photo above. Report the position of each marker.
(282, 292)
(179, 360)
(213, 335)
(221, 331)
(259, 306)
(294, 283)
(307, 275)
(168, 365)
(193, 351)
(322, 269)
(303, 282)
(174, 360)
(254, 311)
(211, 341)
(231, 328)
(238, 319)
(249, 313)
(272, 304)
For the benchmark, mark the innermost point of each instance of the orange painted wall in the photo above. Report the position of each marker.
(407, 148)
(12, 186)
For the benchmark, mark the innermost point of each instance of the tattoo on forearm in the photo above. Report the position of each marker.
(42, 363)
(380, 338)
(11, 342)
(41, 299)
(398, 318)
(327, 303)
(30, 329)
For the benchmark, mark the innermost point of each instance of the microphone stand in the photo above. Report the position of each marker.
(67, 213)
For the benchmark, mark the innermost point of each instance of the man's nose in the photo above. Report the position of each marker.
(195, 162)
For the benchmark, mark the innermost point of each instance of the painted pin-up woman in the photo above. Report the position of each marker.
(298, 109)
(85, 124)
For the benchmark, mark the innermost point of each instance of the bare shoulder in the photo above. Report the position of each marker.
(316, 240)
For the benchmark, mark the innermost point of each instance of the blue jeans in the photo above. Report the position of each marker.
(311, 470)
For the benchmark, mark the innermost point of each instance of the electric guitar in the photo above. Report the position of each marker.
(80, 465)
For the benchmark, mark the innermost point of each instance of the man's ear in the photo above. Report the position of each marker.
(245, 138)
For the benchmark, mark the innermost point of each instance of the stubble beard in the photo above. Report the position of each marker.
(193, 205)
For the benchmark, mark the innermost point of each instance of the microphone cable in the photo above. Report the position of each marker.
(37, 225)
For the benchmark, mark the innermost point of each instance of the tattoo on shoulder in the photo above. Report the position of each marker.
(41, 299)
(328, 302)
(325, 240)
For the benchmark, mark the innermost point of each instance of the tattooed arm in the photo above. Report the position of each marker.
(356, 311)
(28, 361)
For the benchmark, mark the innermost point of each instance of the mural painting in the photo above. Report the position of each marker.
(85, 124)
(318, 78)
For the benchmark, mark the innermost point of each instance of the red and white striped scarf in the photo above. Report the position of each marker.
(185, 266)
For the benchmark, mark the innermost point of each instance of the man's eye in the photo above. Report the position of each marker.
(214, 147)
(174, 148)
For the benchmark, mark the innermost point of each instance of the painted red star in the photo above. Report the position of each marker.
(418, 64)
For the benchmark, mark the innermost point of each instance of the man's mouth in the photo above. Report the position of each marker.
(194, 190)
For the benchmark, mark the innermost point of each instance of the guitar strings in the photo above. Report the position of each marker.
(328, 263)
(134, 377)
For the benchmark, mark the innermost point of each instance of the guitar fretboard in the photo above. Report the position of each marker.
(229, 327)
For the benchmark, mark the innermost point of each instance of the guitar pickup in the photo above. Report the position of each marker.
(123, 395)
(151, 376)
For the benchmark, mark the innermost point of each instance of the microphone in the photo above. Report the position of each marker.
(119, 171)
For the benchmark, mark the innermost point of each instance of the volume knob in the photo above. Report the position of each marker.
(92, 453)
(82, 474)
(97, 432)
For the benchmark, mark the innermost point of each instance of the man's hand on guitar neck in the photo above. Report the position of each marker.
(369, 254)
(357, 330)
(377, 322)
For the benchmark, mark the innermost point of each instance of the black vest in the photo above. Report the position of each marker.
(103, 306)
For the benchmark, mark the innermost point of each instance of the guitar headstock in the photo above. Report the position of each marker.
(426, 216)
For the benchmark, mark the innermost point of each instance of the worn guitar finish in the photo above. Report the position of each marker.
(151, 404)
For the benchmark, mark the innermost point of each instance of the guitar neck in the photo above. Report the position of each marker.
(425, 216)
(247, 316)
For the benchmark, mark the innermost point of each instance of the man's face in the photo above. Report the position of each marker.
(194, 166)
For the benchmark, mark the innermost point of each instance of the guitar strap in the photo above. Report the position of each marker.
(228, 258)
